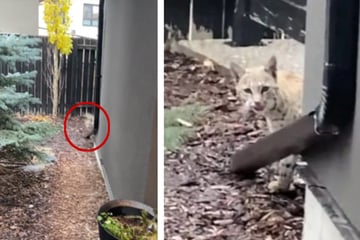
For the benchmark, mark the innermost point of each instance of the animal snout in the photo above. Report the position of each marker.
(258, 105)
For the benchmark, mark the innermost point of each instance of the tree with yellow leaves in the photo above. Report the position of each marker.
(56, 17)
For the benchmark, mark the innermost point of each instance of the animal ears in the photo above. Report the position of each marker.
(271, 66)
(236, 71)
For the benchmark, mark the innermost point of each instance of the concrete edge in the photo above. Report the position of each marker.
(330, 206)
(178, 48)
(103, 174)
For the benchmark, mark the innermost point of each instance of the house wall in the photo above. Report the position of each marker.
(76, 15)
(129, 93)
(337, 166)
(19, 16)
(151, 187)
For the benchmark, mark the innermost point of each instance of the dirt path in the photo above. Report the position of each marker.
(59, 203)
(203, 200)
(78, 190)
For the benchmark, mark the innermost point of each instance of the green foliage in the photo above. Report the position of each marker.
(40, 131)
(13, 134)
(145, 229)
(22, 49)
(175, 136)
(174, 133)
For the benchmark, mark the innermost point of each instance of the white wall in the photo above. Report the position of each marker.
(76, 15)
(317, 223)
(19, 16)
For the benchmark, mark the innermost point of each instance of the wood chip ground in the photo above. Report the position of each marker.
(203, 200)
(59, 203)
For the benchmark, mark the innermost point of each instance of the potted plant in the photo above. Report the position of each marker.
(126, 220)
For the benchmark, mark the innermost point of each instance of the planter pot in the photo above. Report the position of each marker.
(121, 208)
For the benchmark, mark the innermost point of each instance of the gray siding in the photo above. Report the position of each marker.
(19, 16)
(338, 166)
(318, 225)
(128, 93)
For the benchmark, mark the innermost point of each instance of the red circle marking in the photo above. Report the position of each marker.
(108, 123)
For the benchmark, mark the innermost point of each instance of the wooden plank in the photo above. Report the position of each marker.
(208, 15)
(39, 79)
(91, 77)
(85, 75)
(79, 77)
(69, 81)
(176, 15)
(38, 83)
(72, 80)
(46, 91)
(70, 76)
(43, 87)
(32, 88)
(245, 31)
(62, 85)
(286, 15)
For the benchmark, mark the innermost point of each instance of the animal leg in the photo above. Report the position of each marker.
(286, 171)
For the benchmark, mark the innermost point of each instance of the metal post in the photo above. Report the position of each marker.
(191, 19)
(223, 19)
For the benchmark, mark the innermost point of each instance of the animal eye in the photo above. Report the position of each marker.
(264, 89)
(247, 90)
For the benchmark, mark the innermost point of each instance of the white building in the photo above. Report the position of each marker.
(84, 18)
(25, 19)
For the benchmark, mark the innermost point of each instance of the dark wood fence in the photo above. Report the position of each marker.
(249, 20)
(254, 17)
(78, 74)
(211, 19)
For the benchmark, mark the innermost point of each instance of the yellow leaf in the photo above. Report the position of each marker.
(57, 20)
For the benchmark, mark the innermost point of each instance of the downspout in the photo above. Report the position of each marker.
(336, 108)
(337, 103)
(98, 65)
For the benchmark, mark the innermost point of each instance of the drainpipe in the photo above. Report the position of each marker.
(98, 65)
(337, 103)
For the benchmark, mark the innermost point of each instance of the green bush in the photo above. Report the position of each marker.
(14, 135)
(176, 134)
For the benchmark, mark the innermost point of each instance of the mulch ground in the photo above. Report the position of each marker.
(203, 200)
(58, 203)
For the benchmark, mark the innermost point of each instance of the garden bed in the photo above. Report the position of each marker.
(59, 202)
(202, 199)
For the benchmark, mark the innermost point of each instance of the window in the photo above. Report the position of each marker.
(91, 15)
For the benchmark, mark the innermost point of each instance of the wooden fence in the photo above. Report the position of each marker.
(78, 74)
(254, 18)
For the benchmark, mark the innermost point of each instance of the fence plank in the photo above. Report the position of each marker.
(78, 74)
(63, 85)
(91, 78)
(85, 87)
